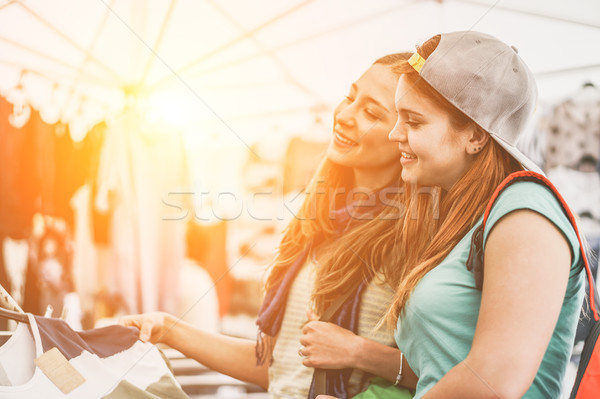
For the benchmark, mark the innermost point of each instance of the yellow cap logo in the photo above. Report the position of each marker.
(416, 61)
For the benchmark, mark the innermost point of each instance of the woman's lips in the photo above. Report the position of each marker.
(341, 140)
(407, 158)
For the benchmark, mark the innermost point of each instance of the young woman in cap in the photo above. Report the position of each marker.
(332, 246)
(462, 101)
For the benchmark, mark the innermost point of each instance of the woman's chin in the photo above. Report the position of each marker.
(408, 177)
(339, 156)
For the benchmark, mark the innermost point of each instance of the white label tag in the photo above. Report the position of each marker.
(58, 370)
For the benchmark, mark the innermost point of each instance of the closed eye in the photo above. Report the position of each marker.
(372, 115)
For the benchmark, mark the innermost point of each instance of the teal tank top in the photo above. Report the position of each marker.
(436, 328)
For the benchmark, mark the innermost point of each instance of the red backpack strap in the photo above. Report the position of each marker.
(475, 261)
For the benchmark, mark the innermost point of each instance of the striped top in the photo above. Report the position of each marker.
(288, 378)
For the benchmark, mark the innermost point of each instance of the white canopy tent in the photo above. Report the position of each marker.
(247, 69)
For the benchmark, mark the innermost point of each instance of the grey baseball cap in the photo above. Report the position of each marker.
(487, 80)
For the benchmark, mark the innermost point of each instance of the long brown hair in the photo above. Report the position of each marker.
(426, 237)
(344, 258)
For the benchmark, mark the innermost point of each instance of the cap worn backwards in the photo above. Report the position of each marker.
(487, 80)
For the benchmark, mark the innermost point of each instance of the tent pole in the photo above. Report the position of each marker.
(72, 43)
(292, 43)
(158, 41)
(11, 2)
(89, 51)
(43, 75)
(524, 12)
(36, 52)
(233, 41)
(267, 52)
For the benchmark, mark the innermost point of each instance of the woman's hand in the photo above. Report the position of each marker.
(327, 345)
(326, 397)
(153, 326)
(228, 355)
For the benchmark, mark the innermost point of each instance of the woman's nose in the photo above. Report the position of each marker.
(345, 116)
(397, 133)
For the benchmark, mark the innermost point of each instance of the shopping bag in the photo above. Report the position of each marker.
(380, 388)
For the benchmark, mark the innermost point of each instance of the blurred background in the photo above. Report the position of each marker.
(152, 151)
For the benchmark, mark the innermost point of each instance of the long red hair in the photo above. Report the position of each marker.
(428, 232)
(344, 258)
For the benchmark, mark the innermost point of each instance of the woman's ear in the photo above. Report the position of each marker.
(477, 140)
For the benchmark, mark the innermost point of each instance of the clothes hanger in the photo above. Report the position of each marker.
(16, 316)
(9, 309)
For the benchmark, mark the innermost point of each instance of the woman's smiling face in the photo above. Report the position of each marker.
(433, 152)
(362, 122)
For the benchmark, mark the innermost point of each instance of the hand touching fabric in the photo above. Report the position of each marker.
(232, 356)
(153, 326)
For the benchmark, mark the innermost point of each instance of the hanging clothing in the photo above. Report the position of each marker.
(88, 157)
(42, 168)
(103, 363)
(90, 228)
(15, 254)
(49, 267)
(63, 167)
(68, 174)
(19, 184)
(573, 129)
(581, 190)
(139, 168)
(19, 181)
(85, 254)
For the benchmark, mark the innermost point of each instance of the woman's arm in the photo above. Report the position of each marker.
(232, 356)
(329, 346)
(527, 263)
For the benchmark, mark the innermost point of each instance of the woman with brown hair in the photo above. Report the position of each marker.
(337, 243)
(463, 99)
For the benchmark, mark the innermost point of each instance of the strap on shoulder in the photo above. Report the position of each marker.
(475, 260)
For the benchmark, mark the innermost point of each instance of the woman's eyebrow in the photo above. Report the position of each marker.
(367, 97)
(409, 112)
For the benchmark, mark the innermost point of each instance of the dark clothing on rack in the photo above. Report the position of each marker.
(19, 182)
(42, 167)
